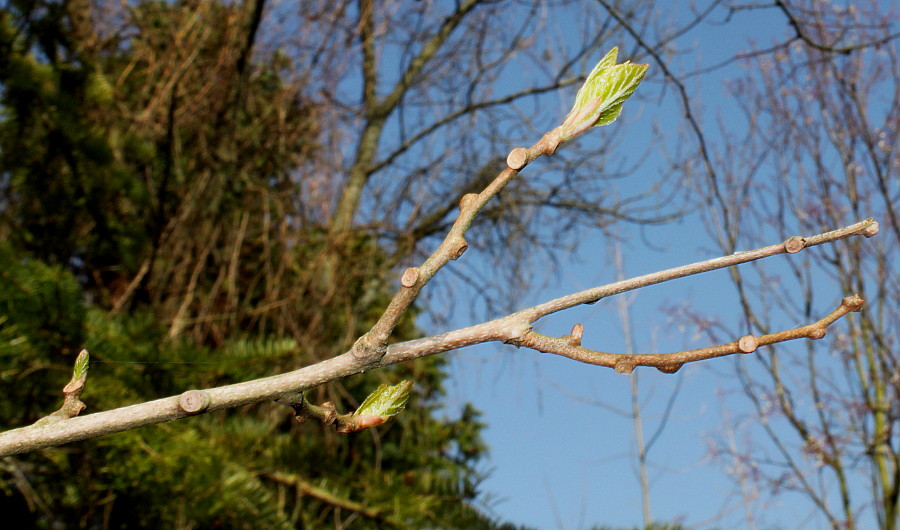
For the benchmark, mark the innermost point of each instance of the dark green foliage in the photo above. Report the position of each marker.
(160, 221)
(414, 470)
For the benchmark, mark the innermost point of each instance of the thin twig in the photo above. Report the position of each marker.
(671, 362)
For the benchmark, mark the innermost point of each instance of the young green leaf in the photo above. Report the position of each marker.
(386, 401)
(79, 373)
(81, 365)
(600, 99)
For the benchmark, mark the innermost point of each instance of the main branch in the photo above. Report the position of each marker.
(514, 329)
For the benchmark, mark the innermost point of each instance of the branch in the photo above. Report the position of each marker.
(468, 109)
(570, 346)
(373, 345)
(802, 35)
(321, 494)
(599, 102)
(378, 110)
(512, 329)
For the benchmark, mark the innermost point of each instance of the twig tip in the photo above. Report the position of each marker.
(872, 229)
(853, 303)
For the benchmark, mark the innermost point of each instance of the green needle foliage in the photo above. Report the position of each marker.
(152, 212)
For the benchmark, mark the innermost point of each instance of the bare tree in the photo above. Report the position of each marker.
(822, 117)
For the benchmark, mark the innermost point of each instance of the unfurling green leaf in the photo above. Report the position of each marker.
(599, 102)
(385, 401)
(81, 365)
(79, 374)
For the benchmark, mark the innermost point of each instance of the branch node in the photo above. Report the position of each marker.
(794, 244)
(550, 141)
(576, 334)
(194, 401)
(329, 415)
(517, 158)
(748, 344)
(624, 366)
(410, 277)
(817, 333)
(364, 349)
(467, 200)
(460, 249)
(669, 368)
(853, 303)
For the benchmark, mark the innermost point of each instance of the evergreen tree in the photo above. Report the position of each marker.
(155, 210)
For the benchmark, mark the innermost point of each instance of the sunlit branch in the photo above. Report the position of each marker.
(512, 329)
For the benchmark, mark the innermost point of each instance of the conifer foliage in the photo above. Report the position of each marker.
(154, 206)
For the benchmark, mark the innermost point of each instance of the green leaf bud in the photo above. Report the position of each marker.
(599, 101)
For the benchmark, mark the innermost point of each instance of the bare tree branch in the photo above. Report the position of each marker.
(304, 487)
(377, 111)
(802, 34)
(511, 329)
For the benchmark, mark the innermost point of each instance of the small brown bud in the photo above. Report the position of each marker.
(517, 158)
(410, 277)
(460, 249)
(853, 303)
(794, 244)
(329, 413)
(624, 366)
(576, 335)
(748, 344)
(817, 333)
(669, 368)
(194, 401)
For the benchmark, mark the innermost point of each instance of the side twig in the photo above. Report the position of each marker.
(72, 404)
(671, 362)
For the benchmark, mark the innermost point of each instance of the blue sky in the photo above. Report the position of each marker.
(561, 454)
